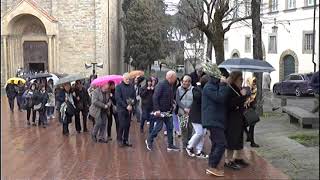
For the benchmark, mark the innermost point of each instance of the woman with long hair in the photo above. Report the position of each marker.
(147, 104)
(28, 101)
(251, 103)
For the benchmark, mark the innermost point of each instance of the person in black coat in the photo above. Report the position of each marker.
(11, 92)
(234, 127)
(81, 101)
(195, 144)
(65, 96)
(42, 97)
(125, 98)
(20, 90)
(196, 75)
(113, 111)
(28, 101)
(147, 104)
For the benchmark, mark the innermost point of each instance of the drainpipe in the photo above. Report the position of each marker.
(314, 35)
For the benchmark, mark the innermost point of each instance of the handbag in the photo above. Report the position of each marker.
(37, 107)
(70, 111)
(251, 117)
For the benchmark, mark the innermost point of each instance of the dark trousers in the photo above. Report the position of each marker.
(42, 116)
(65, 124)
(110, 123)
(157, 128)
(218, 142)
(124, 126)
(146, 116)
(50, 110)
(186, 132)
(11, 103)
(19, 101)
(33, 114)
(77, 120)
(250, 133)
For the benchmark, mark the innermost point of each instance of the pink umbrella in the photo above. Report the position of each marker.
(100, 81)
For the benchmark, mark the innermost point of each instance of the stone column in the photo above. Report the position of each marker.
(54, 56)
(5, 55)
(50, 67)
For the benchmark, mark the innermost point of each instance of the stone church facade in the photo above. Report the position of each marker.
(61, 36)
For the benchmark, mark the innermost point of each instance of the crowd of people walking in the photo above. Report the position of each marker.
(206, 101)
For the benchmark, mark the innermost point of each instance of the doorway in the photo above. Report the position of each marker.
(36, 67)
(35, 55)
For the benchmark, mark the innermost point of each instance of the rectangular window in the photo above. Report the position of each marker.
(273, 5)
(247, 46)
(272, 44)
(226, 44)
(309, 2)
(291, 4)
(307, 42)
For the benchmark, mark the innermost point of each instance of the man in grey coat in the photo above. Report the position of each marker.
(99, 109)
(184, 99)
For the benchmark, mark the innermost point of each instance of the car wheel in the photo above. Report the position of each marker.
(276, 92)
(298, 92)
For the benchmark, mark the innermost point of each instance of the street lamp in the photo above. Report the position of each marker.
(93, 65)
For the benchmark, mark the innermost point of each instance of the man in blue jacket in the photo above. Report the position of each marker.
(213, 112)
(125, 99)
(163, 102)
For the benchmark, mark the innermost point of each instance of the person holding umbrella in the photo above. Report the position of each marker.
(113, 110)
(67, 108)
(20, 90)
(125, 98)
(99, 109)
(11, 92)
(81, 102)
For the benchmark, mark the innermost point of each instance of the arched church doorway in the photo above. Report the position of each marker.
(31, 39)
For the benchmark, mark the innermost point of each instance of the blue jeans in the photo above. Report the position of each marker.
(158, 127)
(146, 116)
(218, 142)
(50, 111)
(19, 101)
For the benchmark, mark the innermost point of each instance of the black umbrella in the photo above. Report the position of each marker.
(246, 64)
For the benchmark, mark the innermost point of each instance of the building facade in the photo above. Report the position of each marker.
(60, 36)
(287, 33)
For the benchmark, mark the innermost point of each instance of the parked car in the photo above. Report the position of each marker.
(294, 84)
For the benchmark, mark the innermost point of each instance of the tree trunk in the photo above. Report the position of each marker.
(257, 49)
(218, 38)
(209, 49)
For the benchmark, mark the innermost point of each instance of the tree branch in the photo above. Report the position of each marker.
(235, 21)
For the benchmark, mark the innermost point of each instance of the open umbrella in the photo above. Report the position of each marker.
(136, 73)
(16, 80)
(246, 64)
(54, 77)
(100, 81)
(70, 78)
(40, 75)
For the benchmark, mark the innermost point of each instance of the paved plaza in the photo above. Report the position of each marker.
(37, 153)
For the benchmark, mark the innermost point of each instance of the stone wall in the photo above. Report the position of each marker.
(82, 33)
(76, 38)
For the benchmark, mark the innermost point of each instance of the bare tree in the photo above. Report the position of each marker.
(209, 17)
(257, 48)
